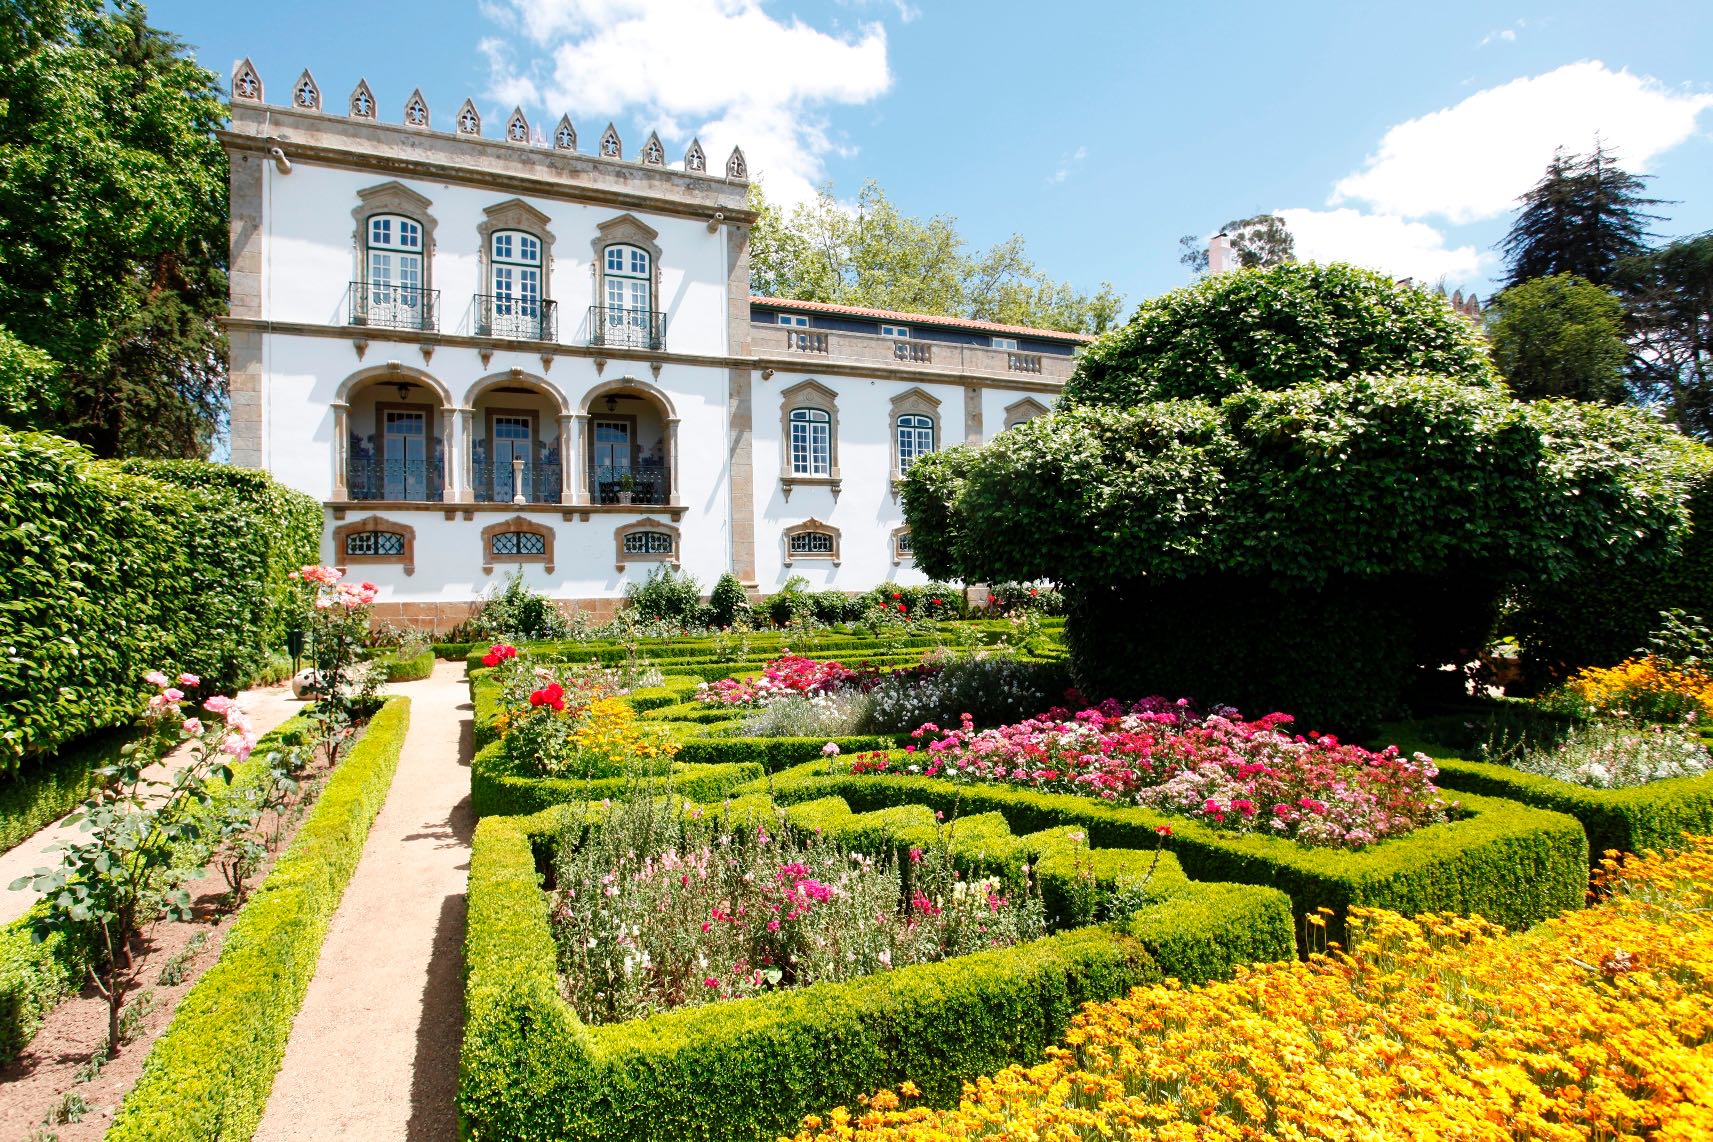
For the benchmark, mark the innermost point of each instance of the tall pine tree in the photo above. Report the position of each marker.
(1584, 216)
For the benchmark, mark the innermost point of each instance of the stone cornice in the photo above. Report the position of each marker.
(481, 162)
(797, 366)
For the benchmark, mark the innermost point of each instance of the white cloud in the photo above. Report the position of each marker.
(723, 70)
(1502, 35)
(1066, 165)
(1471, 161)
(1384, 242)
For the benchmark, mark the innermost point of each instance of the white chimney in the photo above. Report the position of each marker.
(1220, 256)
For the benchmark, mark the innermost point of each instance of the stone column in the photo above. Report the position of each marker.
(672, 487)
(467, 454)
(567, 459)
(341, 450)
(449, 436)
(578, 464)
(740, 472)
(972, 414)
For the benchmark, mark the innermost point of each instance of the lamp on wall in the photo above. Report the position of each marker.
(403, 387)
(612, 404)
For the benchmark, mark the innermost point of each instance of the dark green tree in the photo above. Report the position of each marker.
(1583, 217)
(112, 229)
(876, 256)
(1300, 488)
(1258, 242)
(1669, 296)
(1559, 336)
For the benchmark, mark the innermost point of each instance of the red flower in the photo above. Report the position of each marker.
(933, 602)
(896, 595)
(1033, 591)
(537, 698)
(902, 608)
(490, 659)
(1163, 830)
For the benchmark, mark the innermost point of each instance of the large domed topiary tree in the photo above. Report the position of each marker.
(1300, 488)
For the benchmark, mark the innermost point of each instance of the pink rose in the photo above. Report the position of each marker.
(156, 678)
(193, 727)
(189, 679)
(218, 704)
(173, 694)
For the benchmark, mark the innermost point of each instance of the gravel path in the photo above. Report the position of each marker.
(268, 707)
(374, 1051)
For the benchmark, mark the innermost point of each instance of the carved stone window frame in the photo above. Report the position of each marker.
(1022, 411)
(513, 214)
(393, 197)
(902, 531)
(516, 523)
(809, 394)
(911, 402)
(810, 525)
(627, 230)
(647, 523)
(374, 523)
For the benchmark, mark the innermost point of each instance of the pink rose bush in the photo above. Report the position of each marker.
(1237, 775)
(791, 675)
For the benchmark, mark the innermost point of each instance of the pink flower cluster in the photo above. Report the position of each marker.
(1243, 776)
(793, 674)
(331, 593)
(235, 736)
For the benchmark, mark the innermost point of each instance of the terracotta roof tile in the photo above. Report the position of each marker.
(917, 318)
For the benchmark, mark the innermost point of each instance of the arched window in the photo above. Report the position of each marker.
(646, 540)
(516, 540)
(915, 438)
(375, 539)
(811, 442)
(811, 540)
(393, 272)
(648, 543)
(516, 272)
(374, 543)
(629, 282)
(517, 543)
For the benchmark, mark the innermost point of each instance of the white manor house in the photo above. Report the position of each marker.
(483, 353)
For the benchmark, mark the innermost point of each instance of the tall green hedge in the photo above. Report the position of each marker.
(109, 570)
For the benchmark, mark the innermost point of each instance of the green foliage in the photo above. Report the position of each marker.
(1261, 241)
(412, 669)
(1668, 294)
(113, 229)
(1559, 336)
(35, 797)
(1583, 217)
(113, 570)
(668, 595)
(876, 257)
(1271, 329)
(529, 1069)
(210, 1073)
(729, 603)
(515, 612)
(1513, 864)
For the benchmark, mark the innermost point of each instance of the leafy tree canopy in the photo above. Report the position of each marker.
(1270, 329)
(1258, 242)
(112, 230)
(872, 255)
(1669, 295)
(1559, 336)
(1583, 217)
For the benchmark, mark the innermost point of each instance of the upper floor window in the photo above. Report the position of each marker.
(793, 319)
(393, 268)
(1004, 343)
(629, 279)
(517, 268)
(811, 442)
(915, 438)
(899, 331)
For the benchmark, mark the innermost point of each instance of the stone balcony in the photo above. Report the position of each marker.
(812, 345)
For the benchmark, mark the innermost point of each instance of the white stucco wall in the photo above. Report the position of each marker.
(310, 255)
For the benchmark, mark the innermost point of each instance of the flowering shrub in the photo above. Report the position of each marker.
(1617, 753)
(1242, 776)
(1424, 1031)
(1650, 688)
(657, 908)
(338, 616)
(786, 675)
(568, 721)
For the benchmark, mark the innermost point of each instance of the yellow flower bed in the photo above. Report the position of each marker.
(608, 733)
(1642, 686)
(1596, 1025)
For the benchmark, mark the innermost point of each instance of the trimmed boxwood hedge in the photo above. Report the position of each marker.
(494, 792)
(209, 1074)
(413, 669)
(31, 799)
(751, 1068)
(114, 569)
(1653, 816)
(1511, 863)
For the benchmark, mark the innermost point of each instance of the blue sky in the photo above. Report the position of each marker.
(1396, 135)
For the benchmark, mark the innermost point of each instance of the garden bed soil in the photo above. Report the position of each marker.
(47, 1070)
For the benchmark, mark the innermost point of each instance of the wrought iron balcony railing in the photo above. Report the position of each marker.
(613, 325)
(403, 480)
(516, 318)
(494, 483)
(628, 486)
(386, 306)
